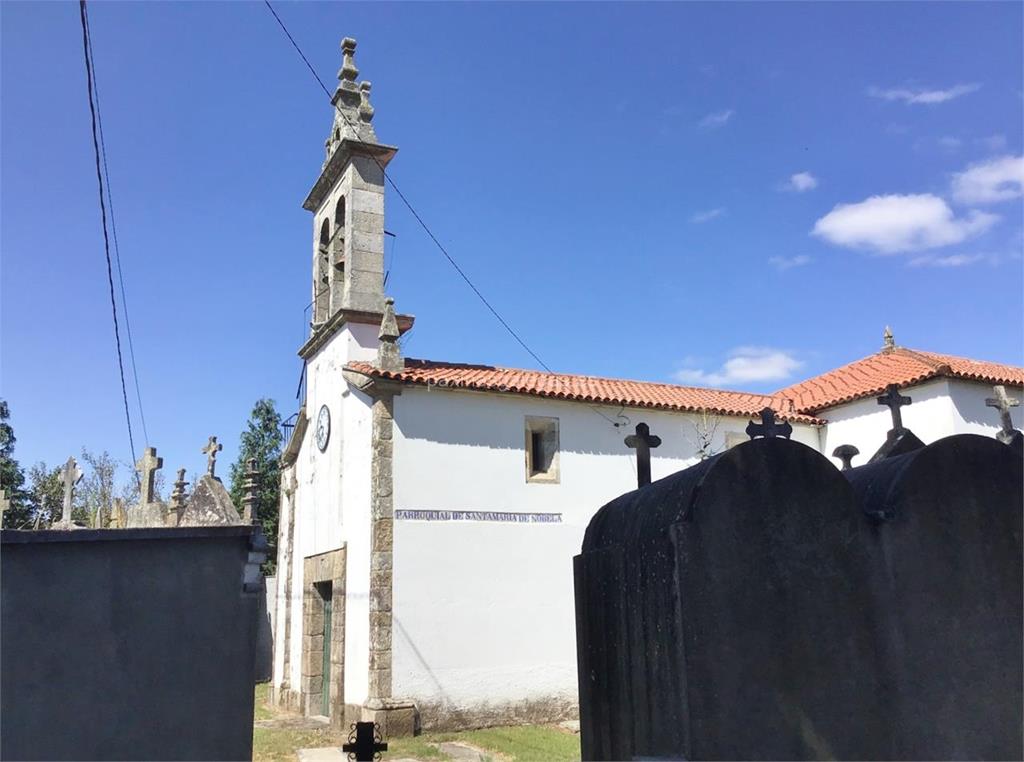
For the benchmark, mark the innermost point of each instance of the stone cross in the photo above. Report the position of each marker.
(1003, 403)
(249, 498)
(147, 466)
(846, 453)
(211, 450)
(643, 441)
(364, 742)
(71, 475)
(893, 400)
(768, 428)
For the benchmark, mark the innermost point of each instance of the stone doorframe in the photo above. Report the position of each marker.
(323, 567)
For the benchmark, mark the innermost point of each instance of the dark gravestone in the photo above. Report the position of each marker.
(945, 523)
(723, 613)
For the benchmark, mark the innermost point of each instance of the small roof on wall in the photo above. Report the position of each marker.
(893, 365)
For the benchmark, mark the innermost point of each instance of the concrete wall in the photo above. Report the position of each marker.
(940, 407)
(483, 610)
(127, 644)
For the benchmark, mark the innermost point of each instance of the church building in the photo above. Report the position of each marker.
(430, 510)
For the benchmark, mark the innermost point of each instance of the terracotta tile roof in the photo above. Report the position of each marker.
(898, 365)
(604, 391)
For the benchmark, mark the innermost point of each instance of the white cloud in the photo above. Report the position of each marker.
(717, 119)
(929, 97)
(800, 182)
(787, 263)
(993, 142)
(710, 214)
(953, 260)
(745, 365)
(990, 181)
(893, 224)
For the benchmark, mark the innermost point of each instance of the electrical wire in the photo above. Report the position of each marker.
(113, 231)
(103, 218)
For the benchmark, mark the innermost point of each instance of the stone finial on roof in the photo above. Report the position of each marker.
(177, 499)
(389, 356)
(888, 340)
(352, 110)
(249, 498)
(348, 72)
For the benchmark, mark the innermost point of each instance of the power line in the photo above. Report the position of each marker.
(113, 230)
(103, 217)
(451, 260)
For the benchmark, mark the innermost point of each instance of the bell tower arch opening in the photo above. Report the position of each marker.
(321, 276)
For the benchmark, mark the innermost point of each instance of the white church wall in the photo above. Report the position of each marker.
(355, 499)
(332, 496)
(483, 610)
(972, 416)
(864, 423)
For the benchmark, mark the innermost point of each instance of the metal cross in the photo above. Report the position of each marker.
(364, 742)
(211, 450)
(768, 428)
(1003, 403)
(846, 453)
(643, 441)
(148, 465)
(893, 400)
(71, 475)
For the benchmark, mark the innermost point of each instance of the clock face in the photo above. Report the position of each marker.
(323, 427)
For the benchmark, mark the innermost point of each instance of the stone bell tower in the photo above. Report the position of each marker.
(347, 202)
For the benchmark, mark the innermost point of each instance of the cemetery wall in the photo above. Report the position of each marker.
(127, 644)
(483, 608)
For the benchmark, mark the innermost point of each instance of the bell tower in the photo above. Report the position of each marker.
(347, 202)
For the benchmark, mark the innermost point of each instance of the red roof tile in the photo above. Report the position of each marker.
(590, 389)
(900, 366)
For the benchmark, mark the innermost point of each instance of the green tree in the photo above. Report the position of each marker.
(262, 440)
(12, 478)
(46, 495)
(96, 491)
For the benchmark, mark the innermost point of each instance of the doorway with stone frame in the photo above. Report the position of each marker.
(323, 636)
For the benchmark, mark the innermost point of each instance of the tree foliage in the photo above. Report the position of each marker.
(12, 478)
(262, 440)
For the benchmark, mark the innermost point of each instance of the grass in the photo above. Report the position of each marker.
(527, 743)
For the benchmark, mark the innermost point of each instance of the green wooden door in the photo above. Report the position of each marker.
(326, 695)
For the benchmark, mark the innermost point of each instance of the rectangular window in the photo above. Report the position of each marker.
(541, 449)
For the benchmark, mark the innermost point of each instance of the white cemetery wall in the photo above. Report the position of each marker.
(864, 423)
(972, 416)
(483, 601)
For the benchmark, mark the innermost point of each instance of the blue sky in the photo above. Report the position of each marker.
(731, 194)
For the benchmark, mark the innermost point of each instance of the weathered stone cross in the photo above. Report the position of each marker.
(768, 428)
(1003, 403)
(846, 453)
(71, 475)
(893, 400)
(643, 441)
(365, 742)
(211, 450)
(147, 466)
